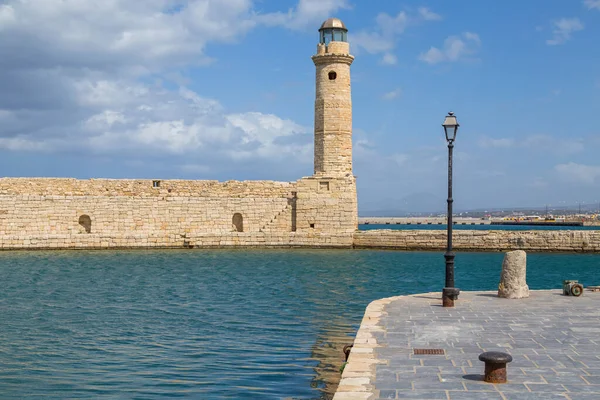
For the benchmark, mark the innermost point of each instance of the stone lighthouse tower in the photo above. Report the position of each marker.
(326, 203)
(333, 103)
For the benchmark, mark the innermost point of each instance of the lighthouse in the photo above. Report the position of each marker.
(333, 102)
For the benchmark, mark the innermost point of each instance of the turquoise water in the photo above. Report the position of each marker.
(216, 324)
(366, 227)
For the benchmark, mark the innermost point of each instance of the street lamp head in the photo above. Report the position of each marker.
(450, 127)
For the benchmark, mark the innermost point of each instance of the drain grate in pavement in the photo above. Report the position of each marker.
(428, 351)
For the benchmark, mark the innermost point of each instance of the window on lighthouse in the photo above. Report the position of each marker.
(333, 35)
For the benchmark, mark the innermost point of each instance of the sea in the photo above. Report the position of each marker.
(213, 324)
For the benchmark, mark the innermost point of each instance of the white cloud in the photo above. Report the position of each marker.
(7, 15)
(105, 120)
(107, 93)
(309, 11)
(563, 29)
(371, 42)
(392, 94)
(184, 123)
(429, 15)
(389, 59)
(306, 13)
(121, 33)
(172, 136)
(267, 132)
(591, 4)
(98, 85)
(22, 144)
(455, 48)
(579, 173)
(383, 37)
(362, 149)
(390, 25)
(135, 37)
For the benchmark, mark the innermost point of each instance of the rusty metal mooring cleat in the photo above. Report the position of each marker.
(495, 366)
(572, 288)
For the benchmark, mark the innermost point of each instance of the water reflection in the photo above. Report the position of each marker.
(327, 350)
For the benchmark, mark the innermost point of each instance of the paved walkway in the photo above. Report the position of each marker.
(554, 341)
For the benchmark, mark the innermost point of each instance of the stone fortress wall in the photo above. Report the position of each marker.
(104, 213)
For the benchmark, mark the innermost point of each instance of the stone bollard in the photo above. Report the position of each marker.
(513, 282)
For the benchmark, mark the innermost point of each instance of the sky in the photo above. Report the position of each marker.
(224, 89)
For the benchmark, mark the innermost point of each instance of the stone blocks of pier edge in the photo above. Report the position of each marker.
(582, 241)
(513, 280)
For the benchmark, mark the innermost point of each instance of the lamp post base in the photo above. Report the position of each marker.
(449, 295)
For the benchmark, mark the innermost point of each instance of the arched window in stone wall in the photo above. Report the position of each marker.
(86, 222)
(238, 222)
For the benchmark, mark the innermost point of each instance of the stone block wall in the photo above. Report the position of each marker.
(327, 205)
(105, 213)
(492, 240)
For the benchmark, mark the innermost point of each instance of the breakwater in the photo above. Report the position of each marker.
(539, 223)
(481, 240)
(470, 221)
(158, 240)
(421, 221)
(467, 240)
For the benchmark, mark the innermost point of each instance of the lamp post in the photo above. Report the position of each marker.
(450, 293)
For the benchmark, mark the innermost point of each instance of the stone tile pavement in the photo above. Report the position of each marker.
(554, 341)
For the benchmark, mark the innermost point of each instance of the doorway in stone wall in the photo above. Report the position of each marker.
(238, 222)
(86, 222)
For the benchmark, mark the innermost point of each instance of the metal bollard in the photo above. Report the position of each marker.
(495, 366)
(449, 295)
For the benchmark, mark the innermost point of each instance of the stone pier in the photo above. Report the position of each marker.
(554, 341)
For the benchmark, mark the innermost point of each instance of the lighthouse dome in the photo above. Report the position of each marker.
(332, 23)
(333, 30)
